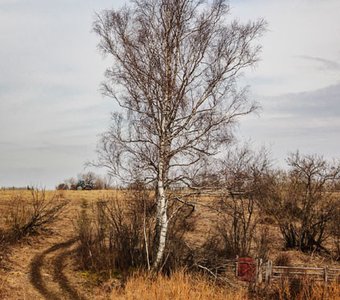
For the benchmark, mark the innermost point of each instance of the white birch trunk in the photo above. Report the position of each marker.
(162, 219)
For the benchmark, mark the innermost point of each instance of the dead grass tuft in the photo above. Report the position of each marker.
(299, 289)
(179, 286)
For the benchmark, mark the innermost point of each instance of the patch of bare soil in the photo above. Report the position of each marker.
(43, 267)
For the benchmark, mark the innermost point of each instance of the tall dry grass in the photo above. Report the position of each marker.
(182, 285)
(299, 289)
(179, 286)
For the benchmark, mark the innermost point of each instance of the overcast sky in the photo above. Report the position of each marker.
(51, 110)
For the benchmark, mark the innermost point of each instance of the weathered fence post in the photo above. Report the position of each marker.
(326, 274)
(268, 271)
(236, 266)
(259, 271)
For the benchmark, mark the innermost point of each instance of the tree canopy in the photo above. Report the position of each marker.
(174, 74)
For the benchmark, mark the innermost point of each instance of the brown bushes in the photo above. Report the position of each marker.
(117, 235)
(303, 202)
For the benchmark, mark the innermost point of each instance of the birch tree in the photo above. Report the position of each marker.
(175, 65)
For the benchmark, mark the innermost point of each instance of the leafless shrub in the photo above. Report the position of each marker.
(178, 252)
(30, 216)
(116, 234)
(335, 232)
(245, 175)
(212, 256)
(62, 187)
(119, 234)
(302, 202)
(26, 216)
(84, 229)
(237, 226)
(233, 235)
(236, 230)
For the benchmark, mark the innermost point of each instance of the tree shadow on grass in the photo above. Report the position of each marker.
(39, 282)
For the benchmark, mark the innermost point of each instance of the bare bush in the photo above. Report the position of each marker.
(119, 234)
(115, 234)
(236, 230)
(237, 226)
(335, 232)
(302, 201)
(62, 187)
(245, 175)
(30, 216)
(179, 253)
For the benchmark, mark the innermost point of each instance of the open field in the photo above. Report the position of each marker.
(43, 266)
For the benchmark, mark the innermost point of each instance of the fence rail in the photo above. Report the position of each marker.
(267, 272)
(322, 274)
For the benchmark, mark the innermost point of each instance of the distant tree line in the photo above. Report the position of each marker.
(16, 188)
(85, 181)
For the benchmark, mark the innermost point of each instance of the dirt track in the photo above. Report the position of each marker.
(43, 267)
(47, 273)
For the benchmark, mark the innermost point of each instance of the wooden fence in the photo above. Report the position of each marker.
(325, 274)
(267, 272)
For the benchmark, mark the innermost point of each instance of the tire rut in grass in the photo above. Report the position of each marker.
(43, 284)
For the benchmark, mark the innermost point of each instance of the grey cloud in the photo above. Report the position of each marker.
(323, 64)
(306, 121)
(44, 146)
(322, 103)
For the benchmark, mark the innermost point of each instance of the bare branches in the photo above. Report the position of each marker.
(176, 64)
(301, 201)
(174, 73)
(30, 216)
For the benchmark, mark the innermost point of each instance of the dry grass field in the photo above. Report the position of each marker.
(43, 266)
